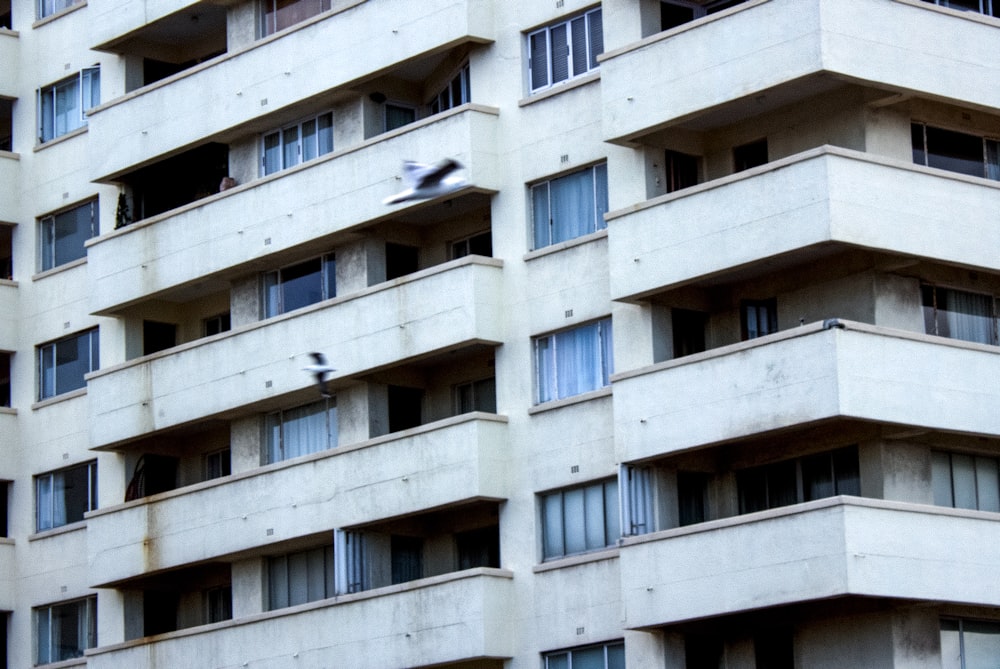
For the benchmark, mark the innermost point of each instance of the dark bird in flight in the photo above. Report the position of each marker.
(427, 181)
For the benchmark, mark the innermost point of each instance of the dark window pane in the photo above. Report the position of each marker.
(955, 151)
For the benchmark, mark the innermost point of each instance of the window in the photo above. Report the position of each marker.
(5, 22)
(63, 364)
(799, 480)
(749, 155)
(64, 631)
(397, 115)
(478, 548)
(307, 429)
(456, 93)
(965, 481)
(218, 464)
(988, 7)
(577, 520)
(62, 497)
(157, 336)
(573, 361)
(6, 116)
(480, 244)
(955, 151)
(406, 558)
(692, 497)
(49, 7)
(564, 50)
(681, 170)
(6, 251)
(4, 509)
(758, 318)
(959, 315)
(62, 107)
(569, 206)
(297, 578)
(688, 329)
(300, 285)
(279, 14)
(5, 397)
(602, 656)
(62, 235)
(218, 604)
(969, 644)
(476, 396)
(216, 324)
(297, 143)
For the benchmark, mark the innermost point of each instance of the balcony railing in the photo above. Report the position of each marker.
(443, 619)
(804, 375)
(321, 197)
(274, 73)
(841, 546)
(777, 51)
(442, 463)
(434, 310)
(787, 208)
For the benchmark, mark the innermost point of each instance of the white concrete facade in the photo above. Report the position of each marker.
(736, 410)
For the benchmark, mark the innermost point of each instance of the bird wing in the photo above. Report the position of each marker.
(413, 172)
(433, 174)
(318, 357)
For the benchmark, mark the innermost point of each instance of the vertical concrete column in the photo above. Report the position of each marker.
(633, 336)
(114, 624)
(112, 477)
(916, 639)
(249, 594)
(241, 25)
(896, 470)
(653, 650)
(359, 265)
(245, 444)
(352, 414)
(244, 301)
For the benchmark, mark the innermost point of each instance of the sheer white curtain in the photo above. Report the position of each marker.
(572, 202)
(578, 368)
(300, 431)
(969, 316)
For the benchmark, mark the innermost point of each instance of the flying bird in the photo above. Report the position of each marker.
(321, 370)
(426, 181)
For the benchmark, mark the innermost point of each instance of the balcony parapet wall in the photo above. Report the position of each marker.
(835, 547)
(229, 91)
(772, 46)
(435, 310)
(815, 372)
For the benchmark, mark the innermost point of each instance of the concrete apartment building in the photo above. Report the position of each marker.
(698, 369)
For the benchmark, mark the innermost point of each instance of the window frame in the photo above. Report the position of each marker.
(547, 364)
(932, 313)
(474, 394)
(548, 232)
(86, 82)
(46, 520)
(327, 279)
(796, 468)
(267, 30)
(44, 652)
(923, 156)
(986, 7)
(553, 549)
(277, 420)
(319, 147)
(278, 565)
(981, 493)
(574, 69)
(567, 655)
(959, 628)
(446, 98)
(93, 363)
(48, 244)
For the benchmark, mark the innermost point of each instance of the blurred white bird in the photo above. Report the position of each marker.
(427, 181)
(321, 370)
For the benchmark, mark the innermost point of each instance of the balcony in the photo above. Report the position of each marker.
(432, 466)
(10, 52)
(798, 48)
(10, 175)
(841, 546)
(791, 211)
(434, 310)
(215, 97)
(214, 237)
(460, 616)
(804, 375)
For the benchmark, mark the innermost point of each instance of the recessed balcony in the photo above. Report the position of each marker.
(438, 620)
(439, 309)
(769, 53)
(328, 197)
(800, 377)
(433, 466)
(796, 210)
(273, 74)
(836, 547)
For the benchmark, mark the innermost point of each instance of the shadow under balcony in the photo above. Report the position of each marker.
(199, 248)
(796, 212)
(829, 548)
(802, 377)
(133, 130)
(438, 620)
(764, 54)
